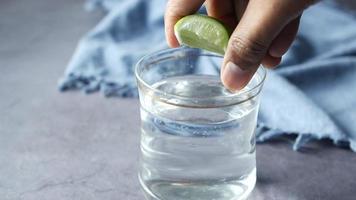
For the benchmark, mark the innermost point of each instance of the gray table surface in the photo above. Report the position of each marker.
(72, 146)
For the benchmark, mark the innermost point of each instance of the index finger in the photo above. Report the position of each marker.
(175, 10)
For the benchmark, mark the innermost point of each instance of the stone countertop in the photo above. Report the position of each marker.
(73, 146)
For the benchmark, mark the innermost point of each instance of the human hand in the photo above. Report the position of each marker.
(263, 30)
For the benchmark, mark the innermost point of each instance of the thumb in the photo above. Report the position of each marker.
(249, 43)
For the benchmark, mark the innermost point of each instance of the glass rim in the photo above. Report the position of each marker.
(158, 92)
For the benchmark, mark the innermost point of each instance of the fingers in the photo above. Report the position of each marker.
(175, 10)
(240, 7)
(270, 61)
(250, 41)
(284, 39)
(222, 10)
(281, 44)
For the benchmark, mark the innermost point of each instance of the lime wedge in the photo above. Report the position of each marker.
(202, 31)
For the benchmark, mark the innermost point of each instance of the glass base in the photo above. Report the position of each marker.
(200, 190)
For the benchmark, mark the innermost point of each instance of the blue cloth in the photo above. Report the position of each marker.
(312, 94)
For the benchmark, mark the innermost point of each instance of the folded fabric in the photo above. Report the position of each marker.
(312, 94)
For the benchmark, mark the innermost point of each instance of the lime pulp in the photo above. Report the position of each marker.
(202, 31)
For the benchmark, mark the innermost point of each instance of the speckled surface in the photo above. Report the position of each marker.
(72, 146)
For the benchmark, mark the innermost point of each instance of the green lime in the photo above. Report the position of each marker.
(202, 31)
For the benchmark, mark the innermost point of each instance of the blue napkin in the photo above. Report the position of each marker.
(312, 94)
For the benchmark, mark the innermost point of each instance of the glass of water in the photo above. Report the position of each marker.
(197, 138)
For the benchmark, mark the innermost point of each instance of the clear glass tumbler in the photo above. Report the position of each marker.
(197, 138)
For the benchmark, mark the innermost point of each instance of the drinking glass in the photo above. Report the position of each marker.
(197, 138)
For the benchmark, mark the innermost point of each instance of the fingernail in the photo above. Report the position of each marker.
(233, 77)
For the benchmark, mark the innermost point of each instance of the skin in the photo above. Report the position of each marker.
(263, 32)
